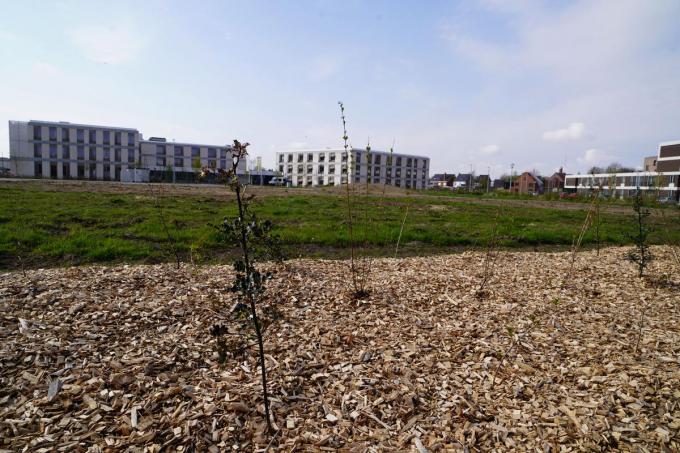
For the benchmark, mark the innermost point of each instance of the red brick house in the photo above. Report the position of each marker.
(527, 183)
(555, 183)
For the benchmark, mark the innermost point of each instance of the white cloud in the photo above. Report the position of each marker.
(489, 150)
(572, 132)
(595, 156)
(324, 67)
(44, 69)
(113, 44)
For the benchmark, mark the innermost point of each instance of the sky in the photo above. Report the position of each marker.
(472, 84)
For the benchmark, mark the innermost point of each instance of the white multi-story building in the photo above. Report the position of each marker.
(336, 167)
(62, 150)
(665, 181)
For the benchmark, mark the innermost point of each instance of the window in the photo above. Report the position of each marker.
(331, 157)
(289, 169)
(81, 171)
(116, 156)
(223, 154)
(398, 161)
(309, 169)
(322, 157)
(358, 158)
(92, 136)
(377, 159)
(299, 169)
(37, 150)
(107, 137)
(131, 156)
(65, 153)
(310, 157)
(80, 135)
(300, 157)
(308, 181)
(37, 133)
(131, 138)
(290, 158)
(320, 181)
(195, 151)
(344, 157)
(93, 171)
(66, 171)
(65, 135)
(107, 172)
(117, 138)
(331, 169)
(160, 150)
(179, 151)
(53, 171)
(93, 153)
(81, 153)
(160, 161)
(53, 134)
(107, 155)
(409, 162)
(53, 151)
(331, 180)
(37, 169)
(321, 169)
(212, 153)
(280, 168)
(117, 173)
(223, 163)
(280, 158)
(212, 163)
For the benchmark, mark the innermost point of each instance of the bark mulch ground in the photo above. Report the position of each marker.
(121, 358)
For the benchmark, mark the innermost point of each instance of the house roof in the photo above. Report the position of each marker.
(463, 177)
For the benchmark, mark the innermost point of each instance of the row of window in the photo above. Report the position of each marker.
(631, 181)
(376, 159)
(188, 163)
(178, 151)
(82, 171)
(80, 153)
(330, 180)
(320, 169)
(67, 135)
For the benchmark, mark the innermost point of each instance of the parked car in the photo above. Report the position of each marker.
(278, 181)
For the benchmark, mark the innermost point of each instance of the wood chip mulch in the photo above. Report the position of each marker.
(121, 358)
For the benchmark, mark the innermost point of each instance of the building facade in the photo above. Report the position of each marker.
(528, 183)
(664, 181)
(63, 150)
(335, 167)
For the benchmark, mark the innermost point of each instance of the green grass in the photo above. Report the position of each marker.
(47, 228)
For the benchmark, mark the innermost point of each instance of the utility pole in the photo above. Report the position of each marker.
(488, 178)
(470, 187)
(512, 169)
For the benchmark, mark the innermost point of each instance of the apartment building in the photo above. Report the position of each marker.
(62, 150)
(183, 159)
(665, 180)
(359, 166)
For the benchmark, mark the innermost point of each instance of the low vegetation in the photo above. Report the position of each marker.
(46, 227)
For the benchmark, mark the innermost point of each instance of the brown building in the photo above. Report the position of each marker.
(555, 183)
(527, 183)
(649, 163)
(669, 157)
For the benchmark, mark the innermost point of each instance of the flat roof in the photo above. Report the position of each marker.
(302, 151)
(69, 124)
(157, 142)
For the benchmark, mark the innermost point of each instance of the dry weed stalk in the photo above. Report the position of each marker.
(401, 231)
(578, 240)
(490, 256)
(172, 242)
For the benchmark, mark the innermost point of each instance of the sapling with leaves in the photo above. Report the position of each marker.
(641, 255)
(171, 241)
(490, 256)
(256, 242)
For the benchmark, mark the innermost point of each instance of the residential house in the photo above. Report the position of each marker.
(462, 180)
(555, 183)
(650, 163)
(528, 183)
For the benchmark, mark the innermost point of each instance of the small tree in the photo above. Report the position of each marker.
(256, 241)
(640, 255)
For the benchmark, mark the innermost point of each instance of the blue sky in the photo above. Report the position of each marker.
(487, 83)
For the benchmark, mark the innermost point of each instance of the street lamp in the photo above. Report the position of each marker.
(512, 169)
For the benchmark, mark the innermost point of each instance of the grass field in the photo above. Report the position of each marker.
(41, 225)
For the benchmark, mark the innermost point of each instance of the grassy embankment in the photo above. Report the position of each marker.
(46, 228)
